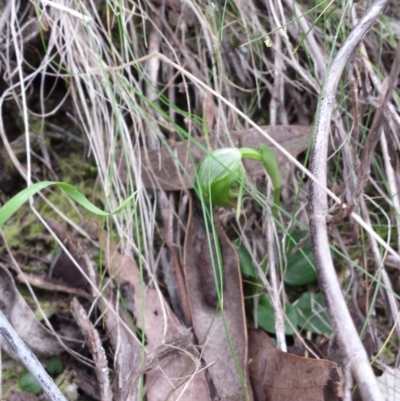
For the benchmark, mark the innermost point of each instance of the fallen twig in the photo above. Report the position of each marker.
(96, 348)
(26, 356)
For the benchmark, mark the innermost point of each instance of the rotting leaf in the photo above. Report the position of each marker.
(21, 396)
(208, 322)
(172, 169)
(279, 376)
(63, 267)
(38, 338)
(126, 347)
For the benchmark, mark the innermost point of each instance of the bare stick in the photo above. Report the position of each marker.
(96, 348)
(275, 294)
(375, 131)
(342, 323)
(26, 356)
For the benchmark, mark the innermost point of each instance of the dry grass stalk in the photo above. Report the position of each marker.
(342, 323)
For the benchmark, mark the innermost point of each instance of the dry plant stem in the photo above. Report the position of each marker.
(153, 144)
(153, 67)
(392, 113)
(342, 323)
(312, 45)
(379, 117)
(276, 301)
(372, 75)
(392, 183)
(276, 98)
(30, 361)
(99, 356)
(4, 16)
(391, 300)
(348, 385)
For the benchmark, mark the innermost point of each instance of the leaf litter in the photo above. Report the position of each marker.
(167, 371)
(223, 333)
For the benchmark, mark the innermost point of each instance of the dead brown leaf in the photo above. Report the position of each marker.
(166, 372)
(21, 396)
(209, 324)
(278, 376)
(125, 346)
(38, 338)
(63, 268)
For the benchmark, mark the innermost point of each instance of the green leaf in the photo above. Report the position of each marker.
(266, 315)
(300, 266)
(9, 208)
(312, 313)
(29, 384)
(54, 366)
(246, 264)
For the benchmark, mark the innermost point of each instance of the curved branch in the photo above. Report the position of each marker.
(342, 324)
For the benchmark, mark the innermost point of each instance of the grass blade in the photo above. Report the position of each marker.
(11, 207)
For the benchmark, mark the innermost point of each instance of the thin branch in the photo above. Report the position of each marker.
(375, 131)
(342, 323)
(275, 294)
(96, 348)
(26, 356)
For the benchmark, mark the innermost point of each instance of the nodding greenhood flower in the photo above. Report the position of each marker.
(221, 176)
(218, 174)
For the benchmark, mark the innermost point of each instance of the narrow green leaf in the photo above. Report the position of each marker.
(10, 207)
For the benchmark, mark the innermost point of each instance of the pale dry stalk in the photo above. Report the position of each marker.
(275, 292)
(30, 361)
(341, 320)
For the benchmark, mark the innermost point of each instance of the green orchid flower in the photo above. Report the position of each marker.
(218, 174)
(221, 175)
